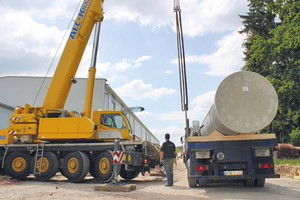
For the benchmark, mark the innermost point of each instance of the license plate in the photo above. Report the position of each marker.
(262, 152)
(202, 154)
(233, 173)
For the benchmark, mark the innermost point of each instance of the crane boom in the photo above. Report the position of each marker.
(90, 13)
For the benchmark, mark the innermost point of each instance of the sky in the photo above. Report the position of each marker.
(137, 51)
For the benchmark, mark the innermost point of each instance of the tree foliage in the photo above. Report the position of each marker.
(272, 49)
(295, 137)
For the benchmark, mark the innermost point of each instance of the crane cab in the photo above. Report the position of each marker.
(111, 124)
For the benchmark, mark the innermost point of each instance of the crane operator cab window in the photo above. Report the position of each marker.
(113, 121)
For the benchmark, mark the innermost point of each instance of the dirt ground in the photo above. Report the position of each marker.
(151, 187)
(287, 170)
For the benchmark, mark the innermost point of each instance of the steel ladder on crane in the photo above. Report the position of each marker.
(39, 156)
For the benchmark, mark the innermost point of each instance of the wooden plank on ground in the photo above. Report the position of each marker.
(115, 188)
(158, 174)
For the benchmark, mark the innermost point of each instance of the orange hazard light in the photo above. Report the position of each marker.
(146, 161)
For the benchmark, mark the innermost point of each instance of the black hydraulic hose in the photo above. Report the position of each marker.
(181, 62)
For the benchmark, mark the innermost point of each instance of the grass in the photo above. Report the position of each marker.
(278, 161)
(178, 149)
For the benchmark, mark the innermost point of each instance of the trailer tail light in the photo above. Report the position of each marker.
(202, 167)
(265, 165)
(146, 161)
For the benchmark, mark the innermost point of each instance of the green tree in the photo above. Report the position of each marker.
(257, 25)
(274, 52)
(295, 137)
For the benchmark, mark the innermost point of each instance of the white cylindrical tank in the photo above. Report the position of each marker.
(244, 102)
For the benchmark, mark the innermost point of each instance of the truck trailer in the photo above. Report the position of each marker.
(43, 140)
(228, 146)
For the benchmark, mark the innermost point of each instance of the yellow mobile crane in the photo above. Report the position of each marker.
(69, 142)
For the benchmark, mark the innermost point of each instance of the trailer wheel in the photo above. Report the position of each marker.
(202, 183)
(192, 182)
(104, 166)
(128, 175)
(50, 165)
(249, 182)
(76, 166)
(17, 164)
(260, 182)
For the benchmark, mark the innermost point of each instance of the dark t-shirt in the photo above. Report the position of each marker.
(168, 148)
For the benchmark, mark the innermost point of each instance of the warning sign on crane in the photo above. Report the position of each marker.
(118, 156)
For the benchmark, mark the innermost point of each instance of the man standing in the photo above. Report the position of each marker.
(167, 154)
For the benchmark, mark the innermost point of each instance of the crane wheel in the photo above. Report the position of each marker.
(104, 166)
(49, 167)
(128, 175)
(76, 165)
(17, 164)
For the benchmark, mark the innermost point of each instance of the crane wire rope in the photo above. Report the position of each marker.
(57, 51)
(181, 61)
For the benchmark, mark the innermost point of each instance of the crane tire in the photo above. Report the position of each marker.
(50, 165)
(104, 166)
(17, 164)
(76, 165)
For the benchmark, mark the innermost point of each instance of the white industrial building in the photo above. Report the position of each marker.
(17, 90)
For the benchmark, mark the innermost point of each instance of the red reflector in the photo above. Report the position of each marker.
(203, 167)
(266, 166)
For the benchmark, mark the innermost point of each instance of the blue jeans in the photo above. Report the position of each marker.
(168, 165)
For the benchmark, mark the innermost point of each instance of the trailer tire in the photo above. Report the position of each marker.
(50, 165)
(76, 165)
(260, 182)
(249, 182)
(202, 183)
(192, 182)
(128, 175)
(104, 166)
(17, 164)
